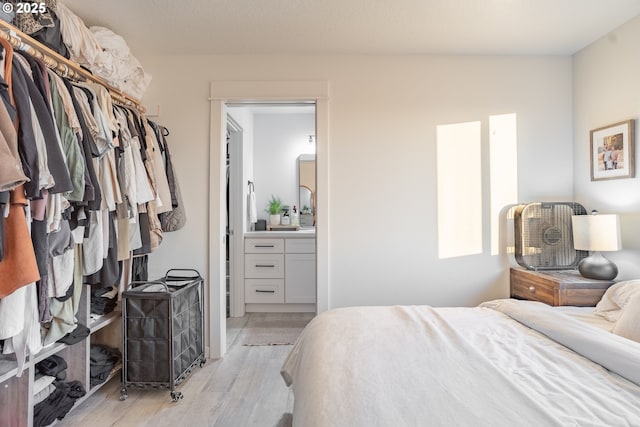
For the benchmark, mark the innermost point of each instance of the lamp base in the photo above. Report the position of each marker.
(597, 267)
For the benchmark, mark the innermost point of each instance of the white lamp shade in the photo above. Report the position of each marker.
(596, 232)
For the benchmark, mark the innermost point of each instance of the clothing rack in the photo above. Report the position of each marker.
(62, 65)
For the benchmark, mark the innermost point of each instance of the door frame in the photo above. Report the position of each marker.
(221, 93)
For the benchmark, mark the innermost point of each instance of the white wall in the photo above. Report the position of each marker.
(606, 90)
(383, 112)
(279, 140)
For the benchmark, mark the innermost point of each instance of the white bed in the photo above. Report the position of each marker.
(504, 363)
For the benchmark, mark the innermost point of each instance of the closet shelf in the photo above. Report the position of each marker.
(56, 347)
(115, 371)
(105, 320)
(48, 351)
(61, 65)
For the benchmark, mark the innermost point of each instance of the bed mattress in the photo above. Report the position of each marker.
(506, 363)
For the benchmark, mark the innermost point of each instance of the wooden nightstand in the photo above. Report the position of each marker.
(558, 287)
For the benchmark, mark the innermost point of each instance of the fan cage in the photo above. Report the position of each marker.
(544, 235)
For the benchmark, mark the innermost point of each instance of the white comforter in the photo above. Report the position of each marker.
(424, 366)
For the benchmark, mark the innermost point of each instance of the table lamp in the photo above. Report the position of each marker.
(596, 233)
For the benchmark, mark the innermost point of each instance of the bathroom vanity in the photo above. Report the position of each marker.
(280, 271)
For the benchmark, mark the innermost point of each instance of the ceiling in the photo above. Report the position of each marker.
(477, 27)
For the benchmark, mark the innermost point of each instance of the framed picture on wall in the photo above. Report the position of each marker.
(612, 151)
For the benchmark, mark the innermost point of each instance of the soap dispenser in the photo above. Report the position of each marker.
(285, 219)
(295, 218)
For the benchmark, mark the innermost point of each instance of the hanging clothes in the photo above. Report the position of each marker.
(83, 185)
(111, 271)
(174, 219)
(68, 137)
(92, 195)
(27, 145)
(56, 161)
(163, 200)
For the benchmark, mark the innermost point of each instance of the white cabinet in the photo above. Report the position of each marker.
(280, 273)
(300, 278)
(263, 266)
(260, 246)
(300, 246)
(257, 291)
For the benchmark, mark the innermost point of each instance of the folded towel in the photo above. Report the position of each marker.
(253, 212)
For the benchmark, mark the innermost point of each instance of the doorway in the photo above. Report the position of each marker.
(264, 146)
(223, 93)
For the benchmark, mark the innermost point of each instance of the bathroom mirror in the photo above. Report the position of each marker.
(307, 189)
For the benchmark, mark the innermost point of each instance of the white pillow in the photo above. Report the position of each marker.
(616, 298)
(628, 325)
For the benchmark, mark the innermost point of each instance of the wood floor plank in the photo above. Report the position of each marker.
(243, 389)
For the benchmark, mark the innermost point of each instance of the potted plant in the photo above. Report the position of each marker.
(274, 208)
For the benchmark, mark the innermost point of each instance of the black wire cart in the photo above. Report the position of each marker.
(162, 331)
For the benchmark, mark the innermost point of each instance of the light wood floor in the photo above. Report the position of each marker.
(242, 389)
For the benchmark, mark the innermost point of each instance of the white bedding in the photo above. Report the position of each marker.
(423, 366)
(587, 315)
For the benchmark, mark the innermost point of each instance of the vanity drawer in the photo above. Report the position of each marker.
(260, 246)
(258, 291)
(264, 266)
(300, 246)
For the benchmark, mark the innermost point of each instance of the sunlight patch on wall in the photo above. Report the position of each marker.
(459, 189)
(503, 157)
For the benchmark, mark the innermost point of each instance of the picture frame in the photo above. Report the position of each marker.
(613, 151)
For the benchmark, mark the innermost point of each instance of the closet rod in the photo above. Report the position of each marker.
(60, 64)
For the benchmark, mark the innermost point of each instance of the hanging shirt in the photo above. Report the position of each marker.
(86, 112)
(20, 310)
(27, 145)
(11, 173)
(163, 201)
(106, 105)
(56, 161)
(69, 141)
(93, 245)
(61, 262)
(93, 196)
(69, 109)
(46, 178)
(144, 188)
(103, 138)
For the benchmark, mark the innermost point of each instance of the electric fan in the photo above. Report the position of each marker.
(544, 237)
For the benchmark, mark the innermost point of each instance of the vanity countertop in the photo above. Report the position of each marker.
(301, 233)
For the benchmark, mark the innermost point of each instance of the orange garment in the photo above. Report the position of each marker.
(18, 267)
